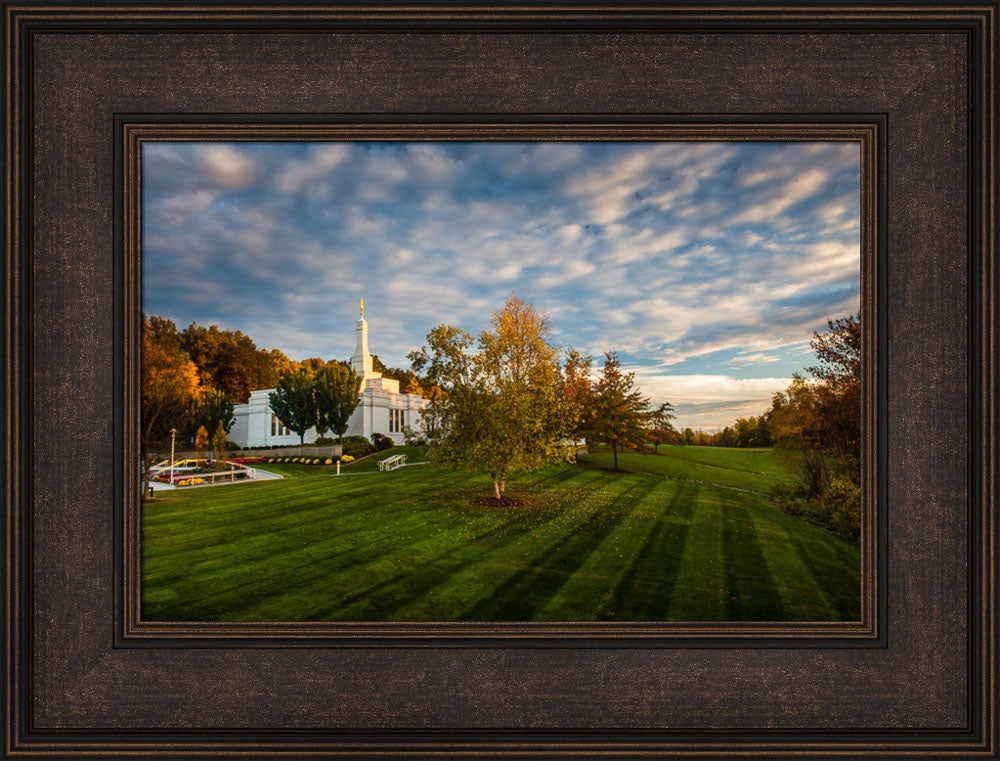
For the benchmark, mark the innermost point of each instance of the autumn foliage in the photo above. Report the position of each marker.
(817, 421)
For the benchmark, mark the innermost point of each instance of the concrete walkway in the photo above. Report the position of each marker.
(259, 475)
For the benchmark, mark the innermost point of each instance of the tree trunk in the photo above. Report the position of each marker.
(302, 439)
(614, 448)
(503, 481)
(496, 484)
(145, 472)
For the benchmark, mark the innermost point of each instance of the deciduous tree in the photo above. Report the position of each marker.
(500, 408)
(337, 393)
(169, 388)
(228, 360)
(294, 402)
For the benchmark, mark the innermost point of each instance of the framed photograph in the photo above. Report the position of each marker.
(448, 380)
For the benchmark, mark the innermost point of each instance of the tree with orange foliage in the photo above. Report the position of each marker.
(169, 387)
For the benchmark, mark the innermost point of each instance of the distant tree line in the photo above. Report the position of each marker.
(745, 432)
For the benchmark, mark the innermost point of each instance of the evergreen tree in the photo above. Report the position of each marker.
(620, 410)
(201, 441)
(214, 407)
(219, 446)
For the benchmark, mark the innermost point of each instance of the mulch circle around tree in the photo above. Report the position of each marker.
(502, 502)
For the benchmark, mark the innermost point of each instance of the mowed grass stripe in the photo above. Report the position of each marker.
(372, 588)
(341, 540)
(560, 548)
(801, 596)
(834, 565)
(454, 597)
(382, 576)
(586, 595)
(753, 593)
(700, 591)
(644, 591)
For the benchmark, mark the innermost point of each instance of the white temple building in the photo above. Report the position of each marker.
(382, 408)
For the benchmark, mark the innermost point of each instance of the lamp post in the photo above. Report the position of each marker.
(173, 436)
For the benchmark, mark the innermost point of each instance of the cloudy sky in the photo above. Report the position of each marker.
(706, 266)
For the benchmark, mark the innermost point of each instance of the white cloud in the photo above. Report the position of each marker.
(228, 166)
(798, 189)
(717, 396)
(754, 359)
(319, 161)
(175, 211)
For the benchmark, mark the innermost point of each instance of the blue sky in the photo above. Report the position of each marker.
(705, 265)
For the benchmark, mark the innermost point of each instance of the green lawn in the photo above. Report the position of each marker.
(752, 469)
(413, 544)
(369, 463)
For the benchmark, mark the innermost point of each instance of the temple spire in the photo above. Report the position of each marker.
(361, 362)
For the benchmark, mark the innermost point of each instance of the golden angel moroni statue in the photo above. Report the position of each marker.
(361, 302)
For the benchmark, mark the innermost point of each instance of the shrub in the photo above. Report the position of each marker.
(355, 440)
(413, 438)
(838, 508)
(381, 441)
(328, 461)
(843, 506)
(358, 448)
(324, 441)
(232, 446)
(347, 458)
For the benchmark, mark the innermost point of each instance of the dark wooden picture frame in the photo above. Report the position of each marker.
(84, 675)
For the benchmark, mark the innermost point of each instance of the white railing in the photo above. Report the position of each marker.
(180, 473)
(391, 463)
